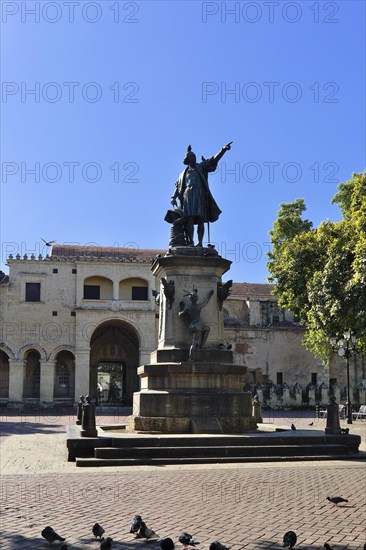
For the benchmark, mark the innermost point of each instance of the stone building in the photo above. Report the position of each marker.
(84, 318)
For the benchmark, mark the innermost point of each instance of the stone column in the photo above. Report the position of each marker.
(82, 372)
(311, 395)
(144, 356)
(16, 380)
(298, 394)
(324, 394)
(115, 290)
(286, 400)
(362, 394)
(47, 373)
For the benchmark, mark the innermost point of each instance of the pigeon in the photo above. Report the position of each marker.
(187, 540)
(218, 546)
(106, 544)
(327, 547)
(293, 427)
(337, 500)
(166, 544)
(311, 424)
(97, 530)
(145, 532)
(136, 525)
(48, 243)
(289, 539)
(49, 534)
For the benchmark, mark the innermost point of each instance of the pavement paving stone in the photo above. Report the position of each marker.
(246, 506)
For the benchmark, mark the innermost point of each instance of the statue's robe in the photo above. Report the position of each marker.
(195, 195)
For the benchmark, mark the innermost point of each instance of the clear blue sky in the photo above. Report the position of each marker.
(129, 85)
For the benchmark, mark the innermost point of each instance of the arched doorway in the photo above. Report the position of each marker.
(4, 375)
(32, 375)
(64, 379)
(114, 359)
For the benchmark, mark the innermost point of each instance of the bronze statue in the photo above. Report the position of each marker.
(193, 310)
(169, 290)
(223, 291)
(196, 201)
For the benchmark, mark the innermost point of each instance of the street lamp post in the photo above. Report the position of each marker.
(346, 347)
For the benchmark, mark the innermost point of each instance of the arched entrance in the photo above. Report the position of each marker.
(4, 375)
(114, 359)
(32, 375)
(64, 379)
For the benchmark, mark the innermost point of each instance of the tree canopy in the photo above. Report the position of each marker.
(320, 273)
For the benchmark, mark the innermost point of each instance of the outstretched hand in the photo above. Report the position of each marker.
(228, 146)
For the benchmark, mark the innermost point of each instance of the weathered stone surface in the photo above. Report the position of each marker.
(189, 272)
(159, 424)
(192, 376)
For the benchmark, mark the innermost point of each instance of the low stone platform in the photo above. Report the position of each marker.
(118, 447)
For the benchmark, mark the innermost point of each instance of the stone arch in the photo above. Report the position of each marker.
(133, 288)
(97, 287)
(55, 351)
(4, 375)
(64, 375)
(9, 352)
(29, 347)
(114, 359)
(32, 374)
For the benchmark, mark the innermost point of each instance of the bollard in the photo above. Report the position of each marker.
(257, 411)
(79, 413)
(333, 426)
(88, 427)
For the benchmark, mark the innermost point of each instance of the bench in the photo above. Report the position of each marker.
(342, 412)
(361, 413)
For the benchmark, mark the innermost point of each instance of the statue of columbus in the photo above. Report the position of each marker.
(196, 201)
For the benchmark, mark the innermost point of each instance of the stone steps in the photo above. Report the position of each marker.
(160, 449)
(253, 439)
(147, 461)
(203, 452)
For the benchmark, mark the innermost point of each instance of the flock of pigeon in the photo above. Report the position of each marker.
(141, 531)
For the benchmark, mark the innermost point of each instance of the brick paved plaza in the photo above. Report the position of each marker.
(242, 506)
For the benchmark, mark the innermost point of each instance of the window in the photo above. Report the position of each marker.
(54, 313)
(55, 270)
(139, 293)
(279, 378)
(314, 378)
(73, 271)
(62, 372)
(91, 292)
(32, 292)
(332, 382)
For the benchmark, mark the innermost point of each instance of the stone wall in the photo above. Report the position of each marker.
(284, 397)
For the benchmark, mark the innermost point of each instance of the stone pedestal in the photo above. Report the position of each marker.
(202, 391)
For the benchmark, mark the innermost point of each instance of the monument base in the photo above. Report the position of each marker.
(192, 397)
(89, 433)
(192, 384)
(176, 425)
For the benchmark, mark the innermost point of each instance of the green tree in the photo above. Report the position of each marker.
(320, 274)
